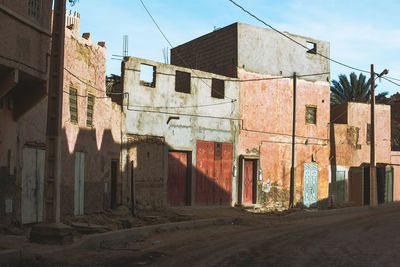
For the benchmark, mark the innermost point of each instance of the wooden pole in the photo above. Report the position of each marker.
(293, 167)
(372, 173)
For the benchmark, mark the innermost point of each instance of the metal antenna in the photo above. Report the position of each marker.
(125, 46)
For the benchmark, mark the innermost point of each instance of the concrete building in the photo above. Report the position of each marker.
(24, 60)
(350, 153)
(91, 122)
(265, 61)
(179, 135)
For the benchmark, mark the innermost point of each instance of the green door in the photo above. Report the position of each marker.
(79, 187)
(389, 184)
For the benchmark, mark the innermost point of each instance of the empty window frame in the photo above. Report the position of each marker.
(34, 9)
(89, 111)
(182, 82)
(73, 105)
(311, 115)
(147, 75)
(217, 88)
(311, 47)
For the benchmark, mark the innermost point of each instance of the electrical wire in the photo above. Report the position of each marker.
(165, 37)
(293, 40)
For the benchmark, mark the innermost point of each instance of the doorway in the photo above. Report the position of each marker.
(114, 178)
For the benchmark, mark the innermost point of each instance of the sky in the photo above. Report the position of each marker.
(360, 33)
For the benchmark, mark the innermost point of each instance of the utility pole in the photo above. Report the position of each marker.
(372, 172)
(293, 167)
(54, 112)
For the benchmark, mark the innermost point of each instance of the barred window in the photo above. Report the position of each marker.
(73, 104)
(90, 108)
(34, 8)
(311, 115)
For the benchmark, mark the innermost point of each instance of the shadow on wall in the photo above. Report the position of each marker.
(151, 160)
(90, 177)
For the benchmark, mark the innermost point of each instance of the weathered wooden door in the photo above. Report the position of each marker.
(389, 184)
(114, 177)
(248, 181)
(214, 173)
(177, 178)
(79, 188)
(356, 184)
(32, 185)
(310, 187)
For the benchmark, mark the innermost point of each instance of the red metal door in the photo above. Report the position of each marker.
(248, 182)
(177, 178)
(214, 173)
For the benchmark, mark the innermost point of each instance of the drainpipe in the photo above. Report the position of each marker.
(293, 168)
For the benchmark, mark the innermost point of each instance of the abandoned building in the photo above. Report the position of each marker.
(179, 135)
(350, 153)
(265, 62)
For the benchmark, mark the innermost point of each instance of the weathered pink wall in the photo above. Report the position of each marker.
(353, 151)
(85, 70)
(395, 160)
(266, 106)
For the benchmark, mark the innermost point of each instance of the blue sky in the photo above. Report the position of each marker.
(359, 32)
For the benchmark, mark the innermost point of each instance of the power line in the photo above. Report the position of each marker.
(293, 40)
(165, 37)
(239, 80)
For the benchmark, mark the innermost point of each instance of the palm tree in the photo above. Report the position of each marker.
(355, 89)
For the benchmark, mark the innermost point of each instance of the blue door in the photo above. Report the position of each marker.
(310, 187)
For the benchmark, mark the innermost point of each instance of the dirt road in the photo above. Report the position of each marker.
(348, 237)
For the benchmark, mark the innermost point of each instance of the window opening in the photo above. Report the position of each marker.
(90, 107)
(34, 8)
(147, 75)
(73, 105)
(182, 82)
(311, 115)
(368, 133)
(217, 88)
(311, 47)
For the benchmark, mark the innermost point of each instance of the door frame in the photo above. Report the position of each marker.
(114, 184)
(188, 197)
(256, 162)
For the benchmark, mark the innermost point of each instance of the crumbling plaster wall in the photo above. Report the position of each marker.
(261, 50)
(266, 109)
(182, 133)
(85, 70)
(351, 144)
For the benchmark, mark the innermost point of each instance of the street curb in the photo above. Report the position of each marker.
(108, 239)
(116, 237)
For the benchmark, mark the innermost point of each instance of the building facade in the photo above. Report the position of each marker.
(350, 153)
(265, 63)
(179, 135)
(24, 61)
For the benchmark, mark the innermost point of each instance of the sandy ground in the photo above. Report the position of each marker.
(346, 237)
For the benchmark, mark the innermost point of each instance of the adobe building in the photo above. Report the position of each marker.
(350, 153)
(91, 128)
(24, 60)
(179, 135)
(265, 63)
(90, 144)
